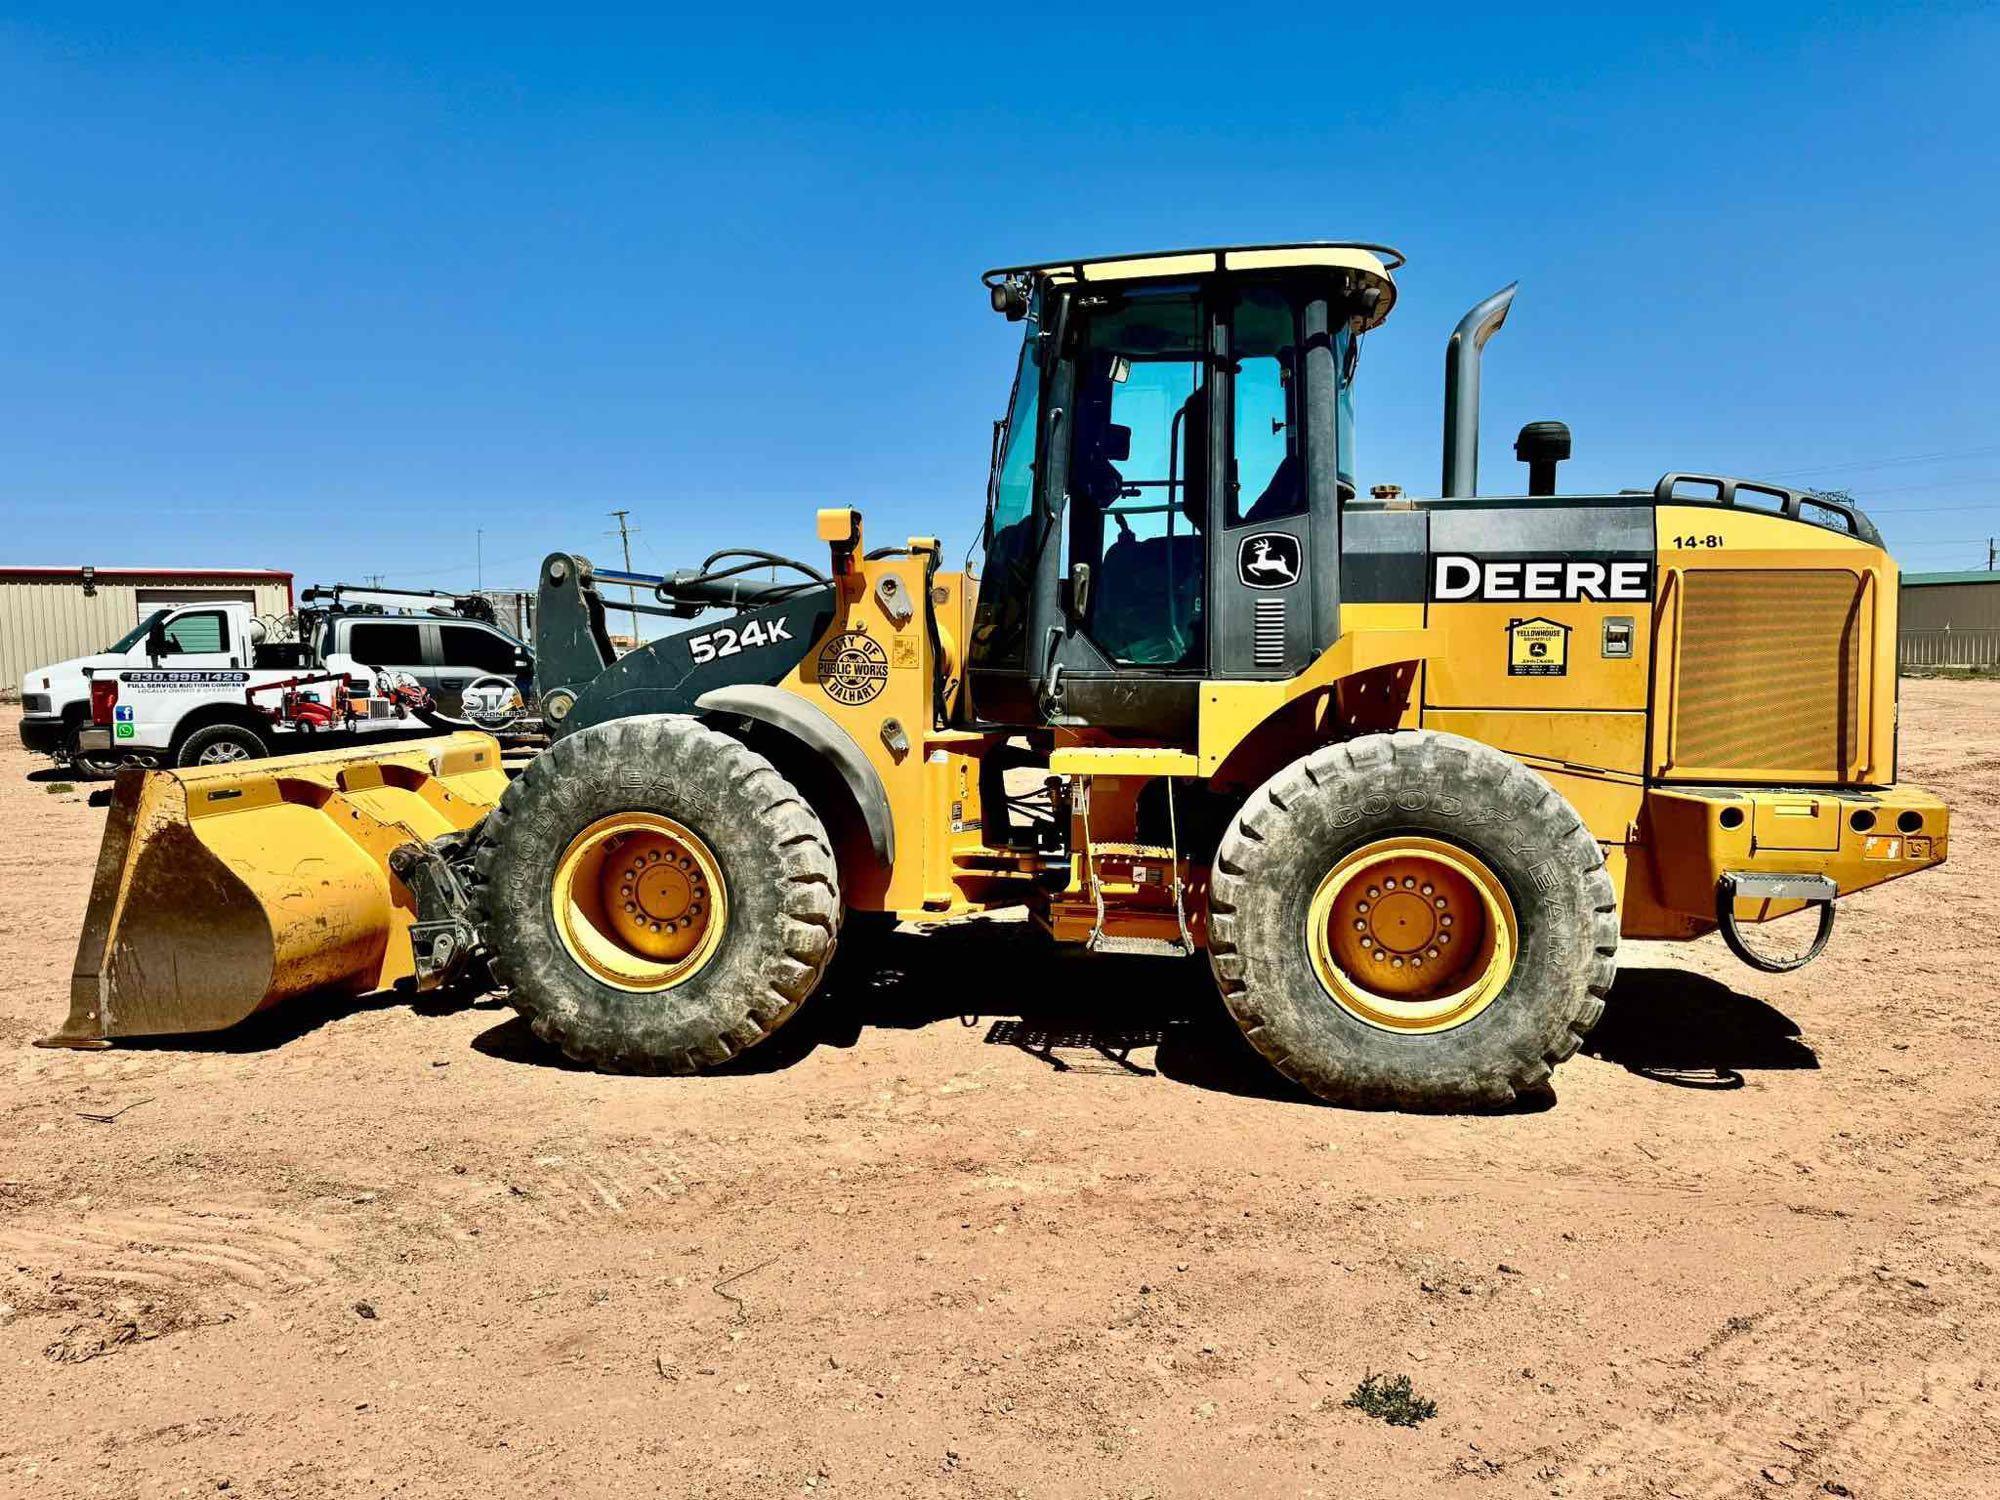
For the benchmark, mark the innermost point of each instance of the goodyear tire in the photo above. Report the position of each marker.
(1338, 891)
(221, 744)
(654, 896)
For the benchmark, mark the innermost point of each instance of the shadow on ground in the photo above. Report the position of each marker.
(1693, 1031)
(1075, 1012)
(288, 1022)
(1082, 1013)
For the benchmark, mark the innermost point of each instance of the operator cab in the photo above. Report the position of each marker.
(1164, 500)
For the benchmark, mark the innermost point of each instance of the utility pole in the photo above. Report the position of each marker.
(1989, 554)
(625, 541)
(479, 561)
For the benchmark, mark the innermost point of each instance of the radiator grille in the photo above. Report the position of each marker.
(1267, 648)
(1769, 672)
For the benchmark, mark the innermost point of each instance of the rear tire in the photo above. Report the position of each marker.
(221, 745)
(1384, 796)
(776, 895)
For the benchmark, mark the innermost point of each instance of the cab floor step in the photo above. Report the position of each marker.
(1144, 947)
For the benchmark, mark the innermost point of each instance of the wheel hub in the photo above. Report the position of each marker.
(1412, 934)
(656, 893)
(639, 901)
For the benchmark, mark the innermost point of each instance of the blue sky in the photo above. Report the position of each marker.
(333, 288)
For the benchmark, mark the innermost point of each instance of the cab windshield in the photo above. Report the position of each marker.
(1010, 493)
(1000, 621)
(136, 634)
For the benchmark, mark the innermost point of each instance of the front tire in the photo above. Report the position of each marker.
(655, 897)
(221, 745)
(1338, 892)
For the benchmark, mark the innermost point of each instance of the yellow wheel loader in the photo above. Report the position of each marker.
(1405, 769)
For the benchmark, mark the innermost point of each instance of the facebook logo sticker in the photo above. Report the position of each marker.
(124, 713)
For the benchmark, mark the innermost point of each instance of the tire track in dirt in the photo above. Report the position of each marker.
(232, 1257)
(1851, 1378)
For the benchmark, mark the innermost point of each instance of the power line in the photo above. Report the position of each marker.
(1941, 484)
(625, 535)
(1884, 463)
(1926, 510)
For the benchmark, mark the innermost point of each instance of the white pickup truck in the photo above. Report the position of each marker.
(202, 684)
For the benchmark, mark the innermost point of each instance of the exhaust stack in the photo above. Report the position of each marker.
(1461, 390)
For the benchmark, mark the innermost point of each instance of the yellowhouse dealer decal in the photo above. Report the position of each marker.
(853, 668)
(1537, 648)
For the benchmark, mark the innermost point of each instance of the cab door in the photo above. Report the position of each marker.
(1137, 471)
(1274, 577)
(463, 652)
(196, 640)
(391, 645)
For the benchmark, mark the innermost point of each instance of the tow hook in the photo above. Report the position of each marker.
(1815, 890)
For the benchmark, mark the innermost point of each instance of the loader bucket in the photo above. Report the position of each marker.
(224, 890)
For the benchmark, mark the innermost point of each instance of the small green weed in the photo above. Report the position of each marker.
(57, 788)
(1391, 1398)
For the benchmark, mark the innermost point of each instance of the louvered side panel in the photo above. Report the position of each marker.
(1769, 677)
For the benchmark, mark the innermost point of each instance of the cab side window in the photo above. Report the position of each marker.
(1139, 476)
(482, 650)
(188, 635)
(386, 645)
(1267, 482)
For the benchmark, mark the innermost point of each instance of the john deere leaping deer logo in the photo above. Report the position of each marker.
(1269, 560)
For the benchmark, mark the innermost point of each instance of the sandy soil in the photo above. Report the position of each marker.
(1750, 1247)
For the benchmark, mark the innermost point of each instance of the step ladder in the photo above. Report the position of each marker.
(1087, 761)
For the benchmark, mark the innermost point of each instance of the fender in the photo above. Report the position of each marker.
(813, 728)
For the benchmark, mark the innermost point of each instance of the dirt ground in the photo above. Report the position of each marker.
(1750, 1247)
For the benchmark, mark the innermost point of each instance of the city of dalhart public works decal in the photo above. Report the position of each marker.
(853, 668)
(1537, 648)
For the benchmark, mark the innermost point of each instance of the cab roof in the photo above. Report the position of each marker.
(1370, 263)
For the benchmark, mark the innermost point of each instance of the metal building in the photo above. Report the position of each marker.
(1950, 620)
(51, 614)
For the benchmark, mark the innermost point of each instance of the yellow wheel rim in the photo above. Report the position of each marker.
(639, 901)
(1412, 935)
